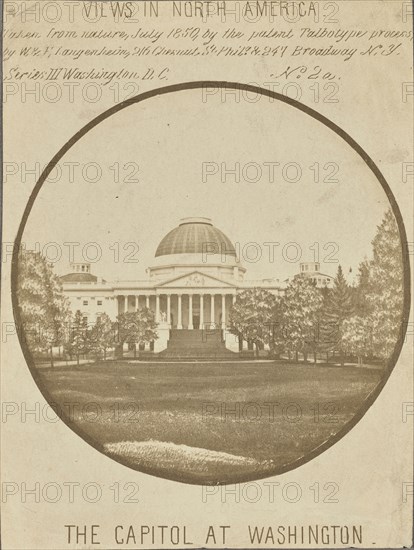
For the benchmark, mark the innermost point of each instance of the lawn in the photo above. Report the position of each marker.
(210, 422)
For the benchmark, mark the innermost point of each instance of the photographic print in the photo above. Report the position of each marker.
(210, 284)
(207, 332)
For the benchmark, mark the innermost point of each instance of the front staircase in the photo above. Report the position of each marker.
(196, 345)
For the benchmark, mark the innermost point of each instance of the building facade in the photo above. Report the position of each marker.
(311, 270)
(192, 284)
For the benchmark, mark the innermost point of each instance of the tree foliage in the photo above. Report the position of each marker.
(102, 335)
(79, 341)
(301, 308)
(252, 316)
(376, 324)
(357, 337)
(362, 305)
(44, 310)
(386, 293)
(339, 306)
(137, 327)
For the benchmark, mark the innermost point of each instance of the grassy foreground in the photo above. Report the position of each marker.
(209, 422)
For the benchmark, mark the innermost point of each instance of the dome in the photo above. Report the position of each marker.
(191, 237)
(78, 278)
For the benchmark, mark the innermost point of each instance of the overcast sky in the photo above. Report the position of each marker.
(169, 138)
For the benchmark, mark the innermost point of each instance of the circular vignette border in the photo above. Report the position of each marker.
(308, 111)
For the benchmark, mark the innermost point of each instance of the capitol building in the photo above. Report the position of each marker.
(191, 285)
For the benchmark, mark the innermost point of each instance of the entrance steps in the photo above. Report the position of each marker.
(196, 344)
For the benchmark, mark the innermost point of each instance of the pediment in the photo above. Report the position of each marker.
(195, 279)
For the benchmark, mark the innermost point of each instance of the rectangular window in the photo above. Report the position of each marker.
(85, 302)
(99, 302)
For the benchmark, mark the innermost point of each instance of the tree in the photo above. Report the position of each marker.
(252, 316)
(79, 341)
(321, 342)
(43, 308)
(301, 306)
(30, 294)
(102, 335)
(357, 337)
(276, 337)
(386, 293)
(57, 309)
(362, 306)
(137, 327)
(339, 306)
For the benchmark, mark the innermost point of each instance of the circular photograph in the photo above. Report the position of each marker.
(209, 283)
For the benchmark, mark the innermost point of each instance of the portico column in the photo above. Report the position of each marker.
(147, 301)
(201, 311)
(190, 311)
(137, 302)
(234, 298)
(212, 312)
(179, 324)
(169, 309)
(126, 303)
(157, 308)
(223, 311)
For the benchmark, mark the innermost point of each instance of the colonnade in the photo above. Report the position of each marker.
(182, 310)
